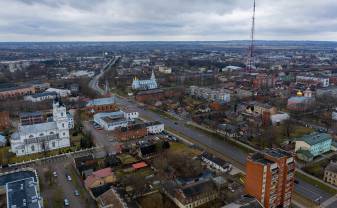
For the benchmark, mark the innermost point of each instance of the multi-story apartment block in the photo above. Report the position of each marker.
(270, 177)
(222, 96)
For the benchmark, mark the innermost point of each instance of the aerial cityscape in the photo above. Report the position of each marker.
(156, 104)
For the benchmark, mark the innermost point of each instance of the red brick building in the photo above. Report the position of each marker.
(12, 90)
(101, 105)
(158, 94)
(4, 121)
(270, 177)
(131, 132)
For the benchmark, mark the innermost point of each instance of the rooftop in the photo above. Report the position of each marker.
(30, 114)
(36, 128)
(315, 138)
(44, 94)
(23, 193)
(332, 167)
(102, 101)
(198, 188)
(19, 175)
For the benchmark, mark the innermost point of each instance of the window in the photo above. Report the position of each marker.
(31, 136)
(64, 134)
(41, 134)
(51, 132)
(32, 148)
(62, 124)
(62, 114)
(53, 144)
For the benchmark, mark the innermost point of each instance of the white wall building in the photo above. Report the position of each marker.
(155, 127)
(43, 136)
(40, 96)
(221, 95)
(60, 92)
(111, 120)
(131, 115)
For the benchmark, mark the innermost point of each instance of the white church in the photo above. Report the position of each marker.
(148, 84)
(43, 136)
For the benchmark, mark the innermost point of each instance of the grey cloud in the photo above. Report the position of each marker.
(162, 19)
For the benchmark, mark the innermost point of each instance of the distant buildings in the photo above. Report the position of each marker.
(309, 146)
(330, 173)
(165, 69)
(148, 84)
(4, 120)
(321, 81)
(41, 137)
(328, 91)
(60, 92)
(270, 177)
(300, 102)
(221, 96)
(38, 97)
(14, 90)
(30, 118)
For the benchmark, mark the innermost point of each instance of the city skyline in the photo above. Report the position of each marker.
(147, 20)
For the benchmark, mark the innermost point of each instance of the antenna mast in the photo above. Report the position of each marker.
(251, 61)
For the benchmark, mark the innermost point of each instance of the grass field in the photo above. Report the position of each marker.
(10, 158)
(183, 148)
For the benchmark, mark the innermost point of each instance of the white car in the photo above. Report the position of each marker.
(68, 178)
(66, 202)
(54, 174)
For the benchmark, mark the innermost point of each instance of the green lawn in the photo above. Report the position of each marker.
(127, 159)
(176, 147)
(12, 158)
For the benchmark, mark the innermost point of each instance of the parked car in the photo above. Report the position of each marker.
(54, 174)
(66, 202)
(76, 193)
(68, 178)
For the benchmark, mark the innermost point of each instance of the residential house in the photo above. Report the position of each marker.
(311, 145)
(216, 163)
(191, 195)
(110, 199)
(100, 177)
(330, 173)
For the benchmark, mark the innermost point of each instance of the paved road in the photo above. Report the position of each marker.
(59, 166)
(94, 81)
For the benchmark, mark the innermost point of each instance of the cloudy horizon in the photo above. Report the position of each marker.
(162, 20)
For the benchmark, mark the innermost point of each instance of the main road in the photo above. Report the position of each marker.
(234, 154)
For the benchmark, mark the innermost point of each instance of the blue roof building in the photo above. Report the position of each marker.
(2, 140)
(311, 145)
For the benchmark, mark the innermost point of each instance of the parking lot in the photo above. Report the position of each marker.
(62, 188)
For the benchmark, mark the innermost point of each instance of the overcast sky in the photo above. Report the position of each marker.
(124, 20)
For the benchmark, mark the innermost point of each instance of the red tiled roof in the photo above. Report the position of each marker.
(139, 165)
(97, 175)
(103, 172)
